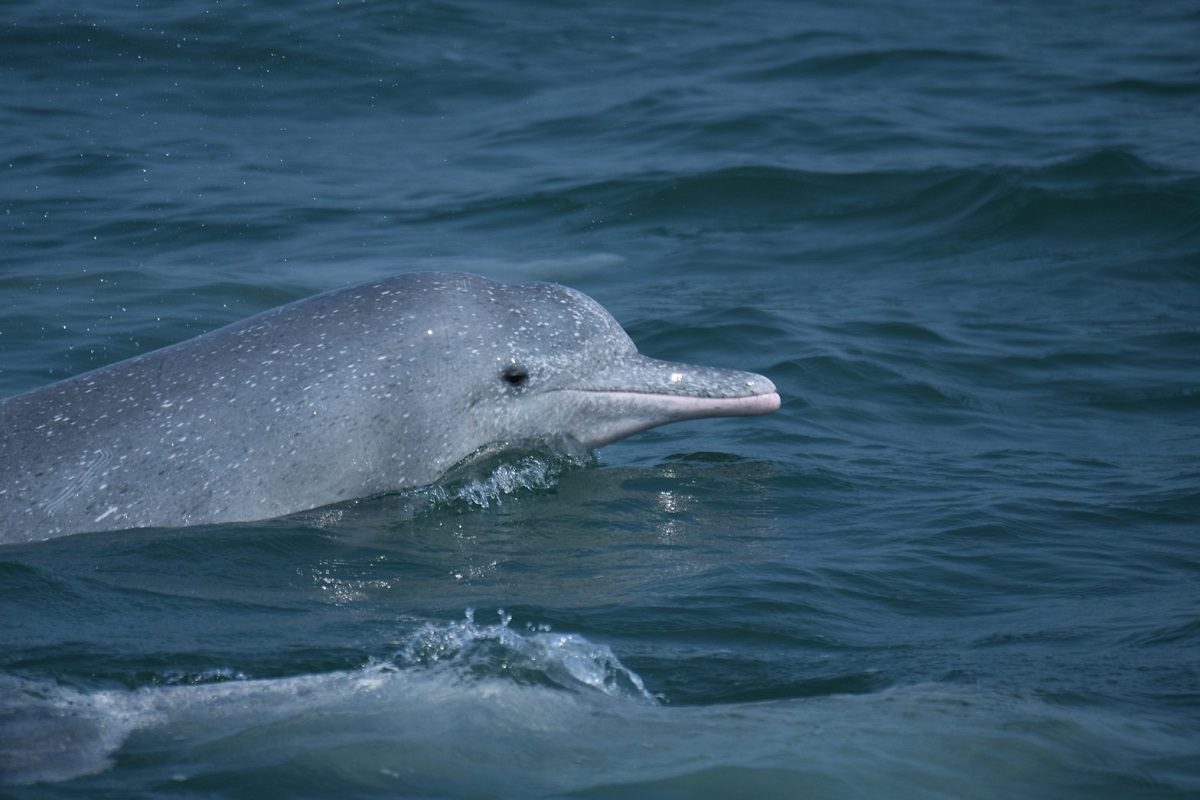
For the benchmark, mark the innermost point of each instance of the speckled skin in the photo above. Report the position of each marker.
(347, 394)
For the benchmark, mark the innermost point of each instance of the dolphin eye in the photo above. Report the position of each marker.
(515, 375)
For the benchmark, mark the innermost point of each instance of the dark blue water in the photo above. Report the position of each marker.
(961, 561)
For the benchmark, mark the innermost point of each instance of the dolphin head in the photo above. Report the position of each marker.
(542, 361)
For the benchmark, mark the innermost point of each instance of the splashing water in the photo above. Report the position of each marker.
(565, 660)
(473, 485)
(485, 478)
(528, 473)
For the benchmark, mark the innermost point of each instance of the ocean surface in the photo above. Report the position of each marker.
(961, 561)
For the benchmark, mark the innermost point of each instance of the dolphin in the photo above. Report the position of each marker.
(348, 394)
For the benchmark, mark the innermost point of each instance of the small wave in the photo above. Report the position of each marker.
(1148, 88)
(52, 733)
(415, 732)
(1107, 194)
(920, 62)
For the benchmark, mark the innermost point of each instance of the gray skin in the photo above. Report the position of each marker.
(344, 395)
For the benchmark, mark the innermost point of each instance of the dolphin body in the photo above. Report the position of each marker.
(351, 393)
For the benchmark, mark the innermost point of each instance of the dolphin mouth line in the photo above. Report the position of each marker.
(649, 393)
(633, 412)
(703, 405)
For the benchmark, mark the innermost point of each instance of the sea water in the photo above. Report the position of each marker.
(961, 561)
